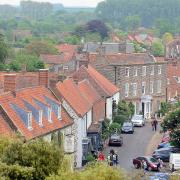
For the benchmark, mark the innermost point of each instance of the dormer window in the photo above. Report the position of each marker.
(29, 120)
(59, 112)
(40, 118)
(49, 115)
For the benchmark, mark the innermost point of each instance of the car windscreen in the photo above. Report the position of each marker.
(115, 137)
(127, 125)
(151, 159)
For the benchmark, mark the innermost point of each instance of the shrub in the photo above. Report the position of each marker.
(120, 119)
(16, 172)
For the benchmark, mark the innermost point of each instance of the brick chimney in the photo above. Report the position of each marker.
(9, 82)
(44, 77)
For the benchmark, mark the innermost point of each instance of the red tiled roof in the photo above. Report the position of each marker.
(160, 59)
(109, 87)
(66, 48)
(5, 129)
(52, 59)
(28, 95)
(88, 91)
(129, 59)
(70, 92)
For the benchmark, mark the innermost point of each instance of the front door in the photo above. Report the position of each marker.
(143, 109)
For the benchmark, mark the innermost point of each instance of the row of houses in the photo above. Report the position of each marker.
(70, 112)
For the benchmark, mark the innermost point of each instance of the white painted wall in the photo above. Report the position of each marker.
(89, 118)
(116, 97)
(109, 108)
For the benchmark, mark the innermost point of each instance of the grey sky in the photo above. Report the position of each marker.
(89, 3)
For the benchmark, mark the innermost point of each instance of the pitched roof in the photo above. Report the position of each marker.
(99, 82)
(18, 104)
(70, 92)
(5, 129)
(88, 91)
(130, 59)
(109, 87)
(52, 59)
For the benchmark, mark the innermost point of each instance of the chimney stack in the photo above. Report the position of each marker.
(9, 82)
(44, 77)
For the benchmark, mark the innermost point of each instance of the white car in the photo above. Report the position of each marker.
(174, 161)
(138, 120)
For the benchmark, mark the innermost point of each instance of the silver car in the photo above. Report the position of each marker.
(138, 120)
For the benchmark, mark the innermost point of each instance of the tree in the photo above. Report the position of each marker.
(41, 47)
(43, 157)
(24, 60)
(3, 50)
(123, 109)
(157, 49)
(97, 26)
(132, 22)
(131, 108)
(167, 37)
(72, 40)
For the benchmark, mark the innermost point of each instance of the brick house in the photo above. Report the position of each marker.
(172, 56)
(140, 77)
(107, 90)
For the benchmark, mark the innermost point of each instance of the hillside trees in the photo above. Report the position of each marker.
(3, 50)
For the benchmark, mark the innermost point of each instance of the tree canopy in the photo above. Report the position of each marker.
(3, 50)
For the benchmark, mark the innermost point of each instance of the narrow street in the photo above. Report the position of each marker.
(133, 145)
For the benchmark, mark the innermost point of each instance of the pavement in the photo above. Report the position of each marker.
(143, 142)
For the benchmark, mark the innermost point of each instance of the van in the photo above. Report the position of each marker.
(174, 161)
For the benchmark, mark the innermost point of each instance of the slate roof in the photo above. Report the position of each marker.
(16, 104)
(71, 93)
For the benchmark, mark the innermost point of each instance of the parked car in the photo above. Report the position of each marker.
(164, 145)
(127, 127)
(174, 161)
(159, 176)
(151, 163)
(115, 140)
(138, 120)
(164, 153)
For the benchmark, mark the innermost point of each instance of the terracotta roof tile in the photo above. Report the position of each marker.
(99, 82)
(28, 95)
(70, 92)
(88, 91)
(109, 87)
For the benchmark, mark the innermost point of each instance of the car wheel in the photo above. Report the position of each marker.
(149, 168)
(136, 166)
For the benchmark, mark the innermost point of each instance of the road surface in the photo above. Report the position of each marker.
(133, 145)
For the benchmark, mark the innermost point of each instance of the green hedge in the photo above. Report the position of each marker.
(16, 172)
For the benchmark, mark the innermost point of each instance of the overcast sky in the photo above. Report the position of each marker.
(89, 3)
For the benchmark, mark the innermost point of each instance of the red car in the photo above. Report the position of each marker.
(151, 163)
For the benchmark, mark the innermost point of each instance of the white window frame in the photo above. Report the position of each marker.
(135, 71)
(159, 69)
(151, 87)
(152, 70)
(59, 112)
(143, 88)
(65, 67)
(127, 72)
(49, 115)
(30, 120)
(134, 89)
(126, 92)
(159, 84)
(40, 118)
(143, 70)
